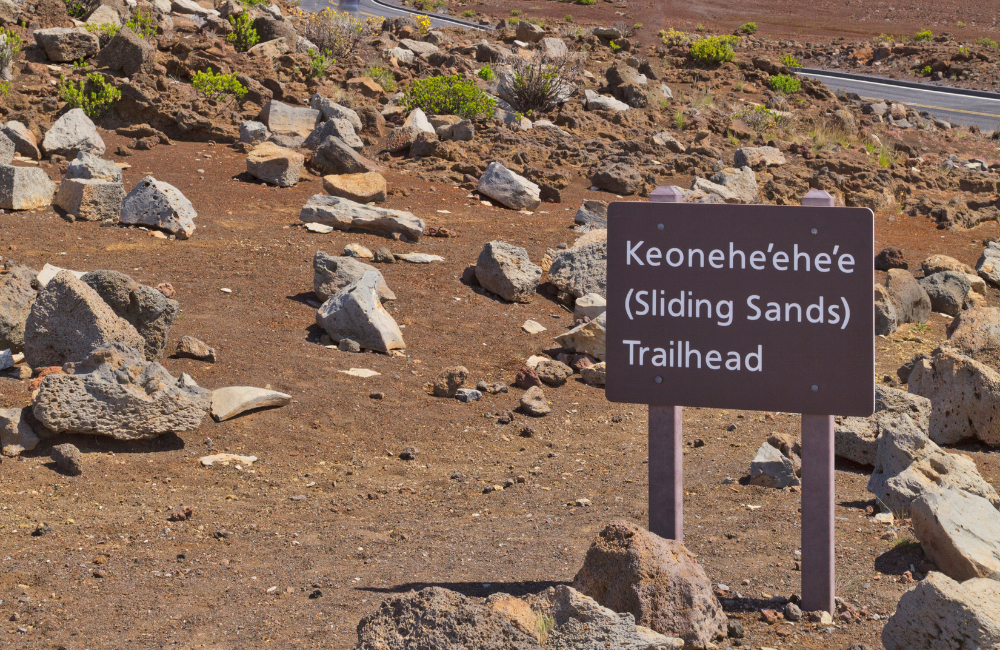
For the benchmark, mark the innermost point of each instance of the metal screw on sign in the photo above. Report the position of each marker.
(666, 443)
(818, 582)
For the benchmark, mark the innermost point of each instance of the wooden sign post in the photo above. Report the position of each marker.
(752, 307)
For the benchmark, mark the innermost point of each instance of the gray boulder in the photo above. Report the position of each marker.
(115, 392)
(68, 320)
(595, 102)
(975, 333)
(67, 43)
(664, 139)
(7, 149)
(334, 156)
(909, 298)
(25, 188)
(90, 200)
(127, 53)
(940, 613)
(956, 384)
(948, 291)
(332, 273)
(253, 133)
(909, 464)
(336, 127)
(150, 312)
(275, 165)
(529, 32)
(618, 178)
(16, 296)
(582, 269)
(331, 110)
(731, 185)
(16, 434)
(435, 617)
(355, 312)
(282, 119)
(90, 167)
(856, 439)
(343, 214)
(988, 265)
(160, 205)
(959, 532)
(592, 213)
(886, 318)
(771, 468)
(23, 139)
(758, 157)
(507, 271)
(510, 189)
(72, 133)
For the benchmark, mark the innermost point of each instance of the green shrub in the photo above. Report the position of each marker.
(926, 71)
(468, 13)
(537, 83)
(448, 96)
(515, 12)
(637, 26)
(10, 45)
(143, 25)
(761, 119)
(382, 76)
(486, 73)
(319, 62)
(244, 36)
(99, 100)
(784, 84)
(789, 61)
(217, 86)
(105, 32)
(700, 28)
(569, 18)
(713, 49)
(922, 36)
(586, 2)
(748, 28)
(987, 42)
(614, 46)
(75, 9)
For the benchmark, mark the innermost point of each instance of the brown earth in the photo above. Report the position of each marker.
(371, 524)
(778, 18)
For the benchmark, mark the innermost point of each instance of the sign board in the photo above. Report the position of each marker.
(753, 307)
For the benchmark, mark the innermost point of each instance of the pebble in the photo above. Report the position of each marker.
(358, 251)
(408, 453)
(360, 372)
(348, 345)
(468, 395)
(226, 290)
(533, 327)
(320, 228)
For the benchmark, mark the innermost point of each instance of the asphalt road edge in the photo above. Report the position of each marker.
(897, 82)
(445, 19)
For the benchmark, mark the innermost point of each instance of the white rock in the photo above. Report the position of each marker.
(104, 15)
(418, 47)
(229, 402)
(282, 119)
(590, 306)
(510, 189)
(597, 102)
(24, 188)
(959, 532)
(48, 272)
(190, 7)
(589, 338)
(731, 185)
(16, 434)
(532, 327)
(771, 468)
(942, 614)
(535, 359)
(159, 205)
(356, 312)
(72, 133)
(320, 228)
(418, 120)
(6, 359)
(358, 251)
(418, 258)
(225, 459)
(401, 55)
(360, 372)
(331, 110)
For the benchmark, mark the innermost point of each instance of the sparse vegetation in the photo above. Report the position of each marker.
(105, 32)
(468, 13)
(338, 31)
(674, 37)
(569, 18)
(76, 9)
(142, 24)
(926, 71)
(10, 45)
(586, 2)
(448, 96)
(923, 36)
(748, 28)
(94, 94)
(382, 76)
(784, 84)
(486, 73)
(987, 42)
(319, 62)
(885, 38)
(679, 120)
(739, 84)
(761, 119)
(243, 36)
(538, 83)
(713, 50)
(789, 61)
(216, 86)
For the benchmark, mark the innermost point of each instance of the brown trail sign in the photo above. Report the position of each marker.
(743, 307)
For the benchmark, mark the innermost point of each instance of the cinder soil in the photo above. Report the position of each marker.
(370, 524)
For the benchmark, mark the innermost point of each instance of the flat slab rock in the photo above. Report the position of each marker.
(229, 402)
(225, 459)
(343, 214)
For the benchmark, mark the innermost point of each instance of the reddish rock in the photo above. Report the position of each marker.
(657, 580)
(526, 378)
(366, 86)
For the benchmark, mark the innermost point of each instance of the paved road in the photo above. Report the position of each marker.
(957, 109)
(368, 8)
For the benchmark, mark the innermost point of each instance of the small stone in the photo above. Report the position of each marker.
(409, 453)
(348, 345)
(450, 380)
(192, 348)
(890, 258)
(67, 458)
(793, 612)
(533, 403)
(383, 256)
(358, 251)
(532, 327)
(232, 401)
(526, 378)
(468, 395)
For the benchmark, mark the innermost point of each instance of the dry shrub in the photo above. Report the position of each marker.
(538, 83)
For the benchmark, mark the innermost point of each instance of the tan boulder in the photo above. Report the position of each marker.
(362, 188)
(275, 165)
